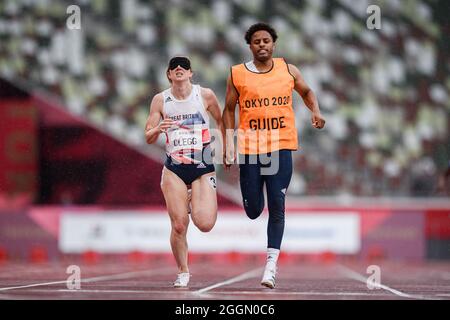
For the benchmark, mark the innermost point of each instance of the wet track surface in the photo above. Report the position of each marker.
(296, 280)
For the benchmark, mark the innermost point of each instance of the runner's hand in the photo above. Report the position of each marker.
(165, 124)
(229, 157)
(317, 120)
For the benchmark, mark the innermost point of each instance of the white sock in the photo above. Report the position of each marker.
(272, 256)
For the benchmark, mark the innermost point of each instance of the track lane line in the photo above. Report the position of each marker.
(231, 293)
(118, 276)
(246, 275)
(352, 274)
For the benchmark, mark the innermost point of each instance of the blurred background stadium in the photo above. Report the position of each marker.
(74, 103)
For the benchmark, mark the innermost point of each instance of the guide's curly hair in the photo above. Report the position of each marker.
(258, 27)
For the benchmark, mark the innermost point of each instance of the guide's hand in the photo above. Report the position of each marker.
(317, 120)
(229, 157)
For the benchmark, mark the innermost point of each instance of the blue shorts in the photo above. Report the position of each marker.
(190, 172)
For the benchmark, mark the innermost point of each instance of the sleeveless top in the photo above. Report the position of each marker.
(266, 115)
(190, 134)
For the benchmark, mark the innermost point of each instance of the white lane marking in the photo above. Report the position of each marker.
(149, 291)
(255, 293)
(107, 291)
(247, 275)
(298, 293)
(215, 294)
(125, 275)
(358, 277)
(33, 285)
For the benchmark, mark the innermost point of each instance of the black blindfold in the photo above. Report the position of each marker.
(179, 61)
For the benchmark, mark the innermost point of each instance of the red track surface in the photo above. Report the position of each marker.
(297, 280)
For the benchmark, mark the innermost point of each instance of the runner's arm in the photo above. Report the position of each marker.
(308, 96)
(228, 118)
(154, 126)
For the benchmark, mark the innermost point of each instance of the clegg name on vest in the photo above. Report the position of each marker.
(266, 102)
(182, 142)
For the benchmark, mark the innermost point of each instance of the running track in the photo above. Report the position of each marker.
(297, 280)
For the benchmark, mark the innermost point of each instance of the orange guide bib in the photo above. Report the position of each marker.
(266, 116)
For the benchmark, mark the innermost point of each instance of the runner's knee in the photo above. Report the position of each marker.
(276, 217)
(179, 226)
(253, 211)
(276, 206)
(204, 225)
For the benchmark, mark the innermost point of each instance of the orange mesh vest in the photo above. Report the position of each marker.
(266, 116)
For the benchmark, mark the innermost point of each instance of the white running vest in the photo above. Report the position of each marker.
(191, 131)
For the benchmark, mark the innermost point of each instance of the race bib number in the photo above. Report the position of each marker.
(186, 139)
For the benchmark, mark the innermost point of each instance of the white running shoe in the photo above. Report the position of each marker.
(182, 280)
(268, 279)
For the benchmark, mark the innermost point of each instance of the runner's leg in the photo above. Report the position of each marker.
(175, 194)
(252, 184)
(204, 202)
(277, 185)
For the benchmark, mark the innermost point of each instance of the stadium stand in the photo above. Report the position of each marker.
(384, 93)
